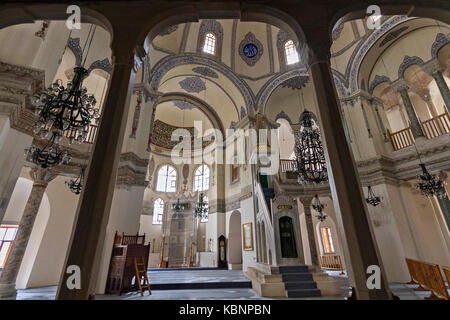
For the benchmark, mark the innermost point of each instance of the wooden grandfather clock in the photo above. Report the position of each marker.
(222, 252)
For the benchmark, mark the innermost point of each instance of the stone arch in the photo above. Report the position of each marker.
(12, 14)
(264, 93)
(235, 238)
(441, 41)
(408, 62)
(209, 112)
(377, 81)
(170, 62)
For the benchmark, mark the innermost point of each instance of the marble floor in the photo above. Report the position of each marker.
(403, 291)
(190, 276)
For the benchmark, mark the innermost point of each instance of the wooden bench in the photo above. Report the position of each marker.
(429, 278)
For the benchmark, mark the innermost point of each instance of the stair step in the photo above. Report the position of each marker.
(297, 277)
(300, 285)
(293, 269)
(303, 293)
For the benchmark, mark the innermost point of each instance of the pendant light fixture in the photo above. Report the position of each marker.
(68, 109)
(63, 111)
(310, 156)
(318, 206)
(75, 185)
(201, 207)
(429, 184)
(372, 199)
(49, 156)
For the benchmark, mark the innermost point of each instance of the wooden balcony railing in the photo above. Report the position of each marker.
(431, 128)
(436, 126)
(331, 262)
(90, 138)
(287, 165)
(401, 139)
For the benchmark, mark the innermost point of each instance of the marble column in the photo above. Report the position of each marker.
(431, 107)
(155, 100)
(380, 121)
(349, 203)
(8, 277)
(137, 113)
(310, 229)
(434, 69)
(402, 87)
(94, 206)
(444, 204)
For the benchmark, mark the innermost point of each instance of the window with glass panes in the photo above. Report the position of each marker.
(327, 240)
(167, 179)
(158, 211)
(201, 178)
(7, 236)
(209, 46)
(291, 52)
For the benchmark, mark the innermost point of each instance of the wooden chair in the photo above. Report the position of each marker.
(141, 275)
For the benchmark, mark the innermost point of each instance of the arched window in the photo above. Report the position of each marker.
(205, 217)
(209, 45)
(327, 240)
(158, 210)
(291, 52)
(167, 179)
(201, 178)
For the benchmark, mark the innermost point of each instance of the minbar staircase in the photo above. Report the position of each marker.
(298, 282)
(286, 281)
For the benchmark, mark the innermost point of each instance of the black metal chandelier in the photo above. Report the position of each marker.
(310, 157)
(178, 207)
(201, 207)
(431, 184)
(50, 155)
(318, 206)
(75, 185)
(66, 109)
(372, 199)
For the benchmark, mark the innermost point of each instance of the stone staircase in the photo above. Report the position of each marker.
(299, 282)
(287, 281)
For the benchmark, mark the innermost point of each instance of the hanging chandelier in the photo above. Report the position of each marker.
(201, 207)
(66, 109)
(431, 184)
(178, 207)
(50, 155)
(310, 157)
(371, 198)
(318, 206)
(75, 185)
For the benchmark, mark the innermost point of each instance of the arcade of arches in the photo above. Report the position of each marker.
(379, 96)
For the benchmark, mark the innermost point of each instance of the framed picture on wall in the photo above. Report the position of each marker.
(247, 236)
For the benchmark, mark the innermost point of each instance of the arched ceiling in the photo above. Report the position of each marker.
(186, 113)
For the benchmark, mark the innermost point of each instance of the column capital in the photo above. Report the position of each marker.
(306, 202)
(400, 84)
(318, 53)
(41, 176)
(433, 66)
(127, 55)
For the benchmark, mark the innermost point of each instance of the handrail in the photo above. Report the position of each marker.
(287, 165)
(332, 262)
(431, 128)
(401, 139)
(436, 126)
